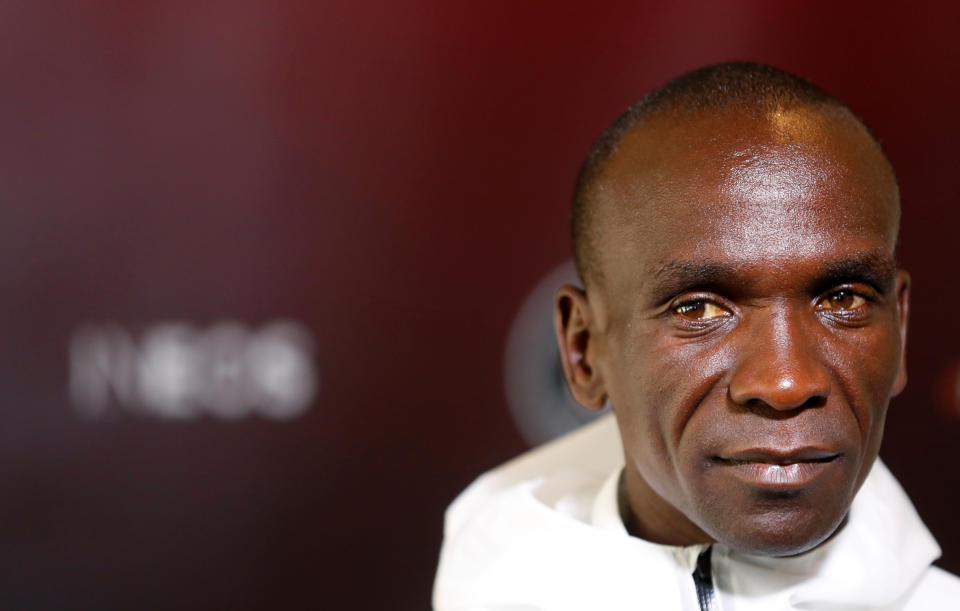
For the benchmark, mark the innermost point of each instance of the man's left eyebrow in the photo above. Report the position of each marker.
(877, 270)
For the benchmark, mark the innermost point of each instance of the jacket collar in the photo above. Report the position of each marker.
(880, 552)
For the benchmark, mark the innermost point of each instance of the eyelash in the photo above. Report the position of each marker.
(694, 300)
(853, 314)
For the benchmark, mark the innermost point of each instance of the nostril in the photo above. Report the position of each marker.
(817, 401)
(780, 411)
(787, 385)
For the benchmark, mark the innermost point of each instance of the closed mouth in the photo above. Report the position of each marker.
(777, 457)
(778, 469)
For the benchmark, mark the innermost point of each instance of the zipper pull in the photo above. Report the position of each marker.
(703, 581)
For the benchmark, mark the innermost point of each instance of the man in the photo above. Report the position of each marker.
(743, 314)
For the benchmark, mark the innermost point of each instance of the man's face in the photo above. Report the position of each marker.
(747, 323)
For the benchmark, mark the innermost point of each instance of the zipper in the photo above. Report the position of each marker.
(703, 581)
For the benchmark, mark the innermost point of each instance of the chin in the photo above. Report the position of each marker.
(777, 533)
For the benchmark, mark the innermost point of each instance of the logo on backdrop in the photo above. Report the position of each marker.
(540, 402)
(948, 390)
(178, 371)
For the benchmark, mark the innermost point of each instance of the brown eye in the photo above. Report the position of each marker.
(841, 300)
(699, 310)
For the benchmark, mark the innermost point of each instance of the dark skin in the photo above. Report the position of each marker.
(745, 319)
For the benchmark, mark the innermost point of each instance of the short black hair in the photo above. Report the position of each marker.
(745, 86)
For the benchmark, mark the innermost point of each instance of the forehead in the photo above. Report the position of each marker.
(792, 185)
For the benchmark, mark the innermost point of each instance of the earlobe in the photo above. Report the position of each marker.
(573, 322)
(903, 311)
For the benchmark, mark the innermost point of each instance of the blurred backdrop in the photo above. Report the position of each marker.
(276, 275)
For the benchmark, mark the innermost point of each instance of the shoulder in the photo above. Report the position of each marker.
(593, 451)
(936, 589)
(523, 528)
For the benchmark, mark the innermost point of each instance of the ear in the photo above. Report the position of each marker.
(573, 320)
(903, 310)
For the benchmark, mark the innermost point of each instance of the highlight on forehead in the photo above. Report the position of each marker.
(752, 88)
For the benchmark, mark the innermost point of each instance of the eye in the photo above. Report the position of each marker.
(844, 299)
(700, 309)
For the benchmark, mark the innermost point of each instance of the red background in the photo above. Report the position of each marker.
(396, 176)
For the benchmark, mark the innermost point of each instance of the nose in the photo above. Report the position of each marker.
(780, 364)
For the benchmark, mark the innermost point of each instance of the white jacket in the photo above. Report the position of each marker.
(543, 533)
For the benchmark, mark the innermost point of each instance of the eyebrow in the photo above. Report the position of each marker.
(678, 275)
(876, 269)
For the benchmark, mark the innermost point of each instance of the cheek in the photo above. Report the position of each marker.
(866, 365)
(685, 374)
(661, 382)
(640, 393)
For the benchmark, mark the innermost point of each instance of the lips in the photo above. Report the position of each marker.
(784, 469)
